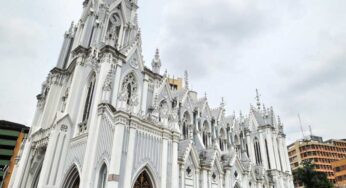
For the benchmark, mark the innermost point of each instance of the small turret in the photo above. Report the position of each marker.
(156, 63)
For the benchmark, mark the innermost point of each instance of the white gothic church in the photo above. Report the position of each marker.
(104, 120)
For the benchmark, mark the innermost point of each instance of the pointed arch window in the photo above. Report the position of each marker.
(205, 134)
(72, 179)
(257, 149)
(185, 129)
(267, 152)
(89, 98)
(222, 140)
(113, 29)
(102, 177)
(143, 181)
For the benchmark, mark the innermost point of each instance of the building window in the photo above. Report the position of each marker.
(102, 176)
(88, 100)
(185, 127)
(257, 149)
(267, 153)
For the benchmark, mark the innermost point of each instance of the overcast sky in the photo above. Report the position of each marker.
(292, 51)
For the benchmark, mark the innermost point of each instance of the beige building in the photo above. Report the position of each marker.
(339, 168)
(321, 153)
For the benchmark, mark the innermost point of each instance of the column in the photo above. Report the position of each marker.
(228, 177)
(129, 156)
(115, 163)
(209, 178)
(164, 162)
(175, 167)
(196, 179)
(204, 178)
(182, 175)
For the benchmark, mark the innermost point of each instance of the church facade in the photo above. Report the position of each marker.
(103, 119)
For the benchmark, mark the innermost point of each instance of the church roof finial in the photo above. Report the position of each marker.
(186, 78)
(222, 105)
(258, 100)
(156, 63)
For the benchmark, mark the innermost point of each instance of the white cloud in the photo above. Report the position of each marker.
(293, 51)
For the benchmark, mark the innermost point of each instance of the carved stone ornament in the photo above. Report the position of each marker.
(134, 63)
(107, 86)
(129, 90)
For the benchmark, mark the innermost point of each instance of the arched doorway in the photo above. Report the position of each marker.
(72, 178)
(143, 181)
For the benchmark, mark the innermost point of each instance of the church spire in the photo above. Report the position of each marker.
(156, 63)
(258, 100)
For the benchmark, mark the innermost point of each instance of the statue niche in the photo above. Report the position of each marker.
(113, 30)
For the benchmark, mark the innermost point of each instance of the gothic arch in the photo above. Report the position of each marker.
(72, 178)
(102, 176)
(164, 110)
(114, 28)
(206, 130)
(222, 139)
(144, 179)
(130, 89)
(185, 123)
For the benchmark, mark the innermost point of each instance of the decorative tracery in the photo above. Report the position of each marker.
(129, 90)
(143, 181)
(113, 29)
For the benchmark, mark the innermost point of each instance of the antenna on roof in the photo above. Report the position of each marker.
(310, 130)
(301, 126)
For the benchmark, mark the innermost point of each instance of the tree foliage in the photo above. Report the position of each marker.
(310, 178)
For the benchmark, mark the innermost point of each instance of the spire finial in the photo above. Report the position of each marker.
(205, 94)
(156, 63)
(186, 78)
(279, 120)
(157, 54)
(258, 100)
(222, 102)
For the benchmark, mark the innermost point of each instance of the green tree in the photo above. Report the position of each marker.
(310, 178)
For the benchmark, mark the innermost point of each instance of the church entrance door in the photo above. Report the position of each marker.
(143, 181)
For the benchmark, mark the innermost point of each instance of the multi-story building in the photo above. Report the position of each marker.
(104, 119)
(339, 168)
(11, 138)
(321, 153)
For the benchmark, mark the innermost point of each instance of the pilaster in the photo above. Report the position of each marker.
(182, 175)
(130, 152)
(94, 125)
(175, 167)
(164, 161)
(115, 163)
